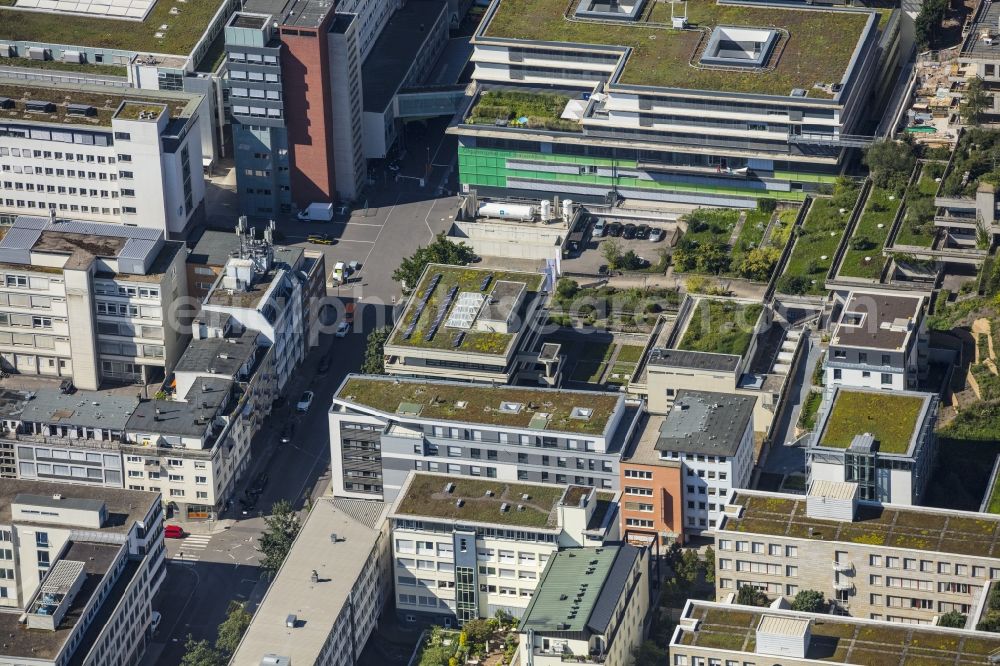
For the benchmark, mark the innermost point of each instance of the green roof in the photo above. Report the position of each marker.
(841, 640)
(105, 101)
(184, 29)
(426, 496)
(815, 46)
(720, 327)
(961, 533)
(467, 279)
(540, 409)
(569, 589)
(891, 418)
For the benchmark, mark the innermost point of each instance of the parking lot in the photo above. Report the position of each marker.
(589, 260)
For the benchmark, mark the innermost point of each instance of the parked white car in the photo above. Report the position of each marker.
(304, 403)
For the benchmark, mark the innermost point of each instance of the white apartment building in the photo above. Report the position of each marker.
(903, 564)
(712, 436)
(382, 428)
(883, 442)
(880, 342)
(265, 289)
(590, 608)
(90, 301)
(329, 594)
(101, 153)
(194, 447)
(65, 551)
(466, 548)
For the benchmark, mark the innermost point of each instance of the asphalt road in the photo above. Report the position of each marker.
(217, 563)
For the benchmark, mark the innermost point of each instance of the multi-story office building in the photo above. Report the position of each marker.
(883, 562)
(383, 428)
(714, 633)
(652, 507)
(89, 301)
(711, 436)
(475, 324)
(590, 608)
(271, 290)
(655, 104)
(295, 100)
(466, 548)
(76, 438)
(81, 567)
(195, 447)
(324, 617)
(880, 342)
(101, 153)
(688, 355)
(884, 443)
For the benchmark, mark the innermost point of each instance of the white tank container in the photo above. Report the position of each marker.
(508, 211)
(546, 210)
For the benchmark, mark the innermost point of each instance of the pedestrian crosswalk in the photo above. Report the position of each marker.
(192, 547)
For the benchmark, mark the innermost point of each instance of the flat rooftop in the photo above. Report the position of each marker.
(662, 57)
(463, 279)
(426, 495)
(214, 248)
(877, 321)
(706, 423)
(87, 409)
(317, 606)
(191, 417)
(545, 410)
(19, 641)
(395, 50)
(892, 418)
(284, 259)
(182, 33)
(219, 356)
(720, 327)
(913, 528)
(834, 639)
(125, 507)
(641, 448)
(579, 590)
(987, 19)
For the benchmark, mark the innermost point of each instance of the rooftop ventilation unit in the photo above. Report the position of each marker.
(449, 487)
(526, 497)
(39, 106)
(504, 507)
(582, 413)
(80, 110)
(459, 503)
(510, 407)
(291, 621)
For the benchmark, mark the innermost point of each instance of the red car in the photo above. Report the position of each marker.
(174, 532)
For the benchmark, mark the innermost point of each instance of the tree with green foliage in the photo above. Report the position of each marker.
(890, 162)
(201, 653)
(952, 619)
(928, 22)
(709, 565)
(612, 252)
(478, 631)
(975, 101)
(232, 628)
(767, 205)
(712, 257)
(751, 596)
(990, 622)
(280, 530)
(441, 251)
(809, 601)
(758, 263)
(793, 284)
(374, 363)
(566, 288)
(649, 654)
(688, 567)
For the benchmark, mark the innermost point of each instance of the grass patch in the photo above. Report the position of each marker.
(973, 155)
(807, 417)
(782, 230)
(706, 249)
(720, 327)
(979, 422)
(917, 228)
(819, 237)
(589, 372)
(863, 257)
(184, 31)
(629, 354)
(81, 68)
(857, 412)
(540, 110)
(661, 55)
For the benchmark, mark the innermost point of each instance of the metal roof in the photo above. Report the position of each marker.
(776, 625)
(137, 248)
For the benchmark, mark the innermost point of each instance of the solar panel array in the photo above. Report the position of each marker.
(408, 333)
(463, 315)
(441, 313)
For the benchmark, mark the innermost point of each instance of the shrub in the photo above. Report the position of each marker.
(809, 601)
(793, 284)
(952, 619)
(767, 205)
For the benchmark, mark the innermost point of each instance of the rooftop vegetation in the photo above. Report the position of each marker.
(721, 327)
(105, 102)
(817, 241)
(426, 496)
(863, 258)
(917, 227)
(467, 279)
(858, 412)
(977, 159)
(661, 56)
(730, 242)
(82, 68)
(481, 404)
(539, 110)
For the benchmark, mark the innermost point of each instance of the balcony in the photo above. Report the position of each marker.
(846, 567)
(843, 586)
